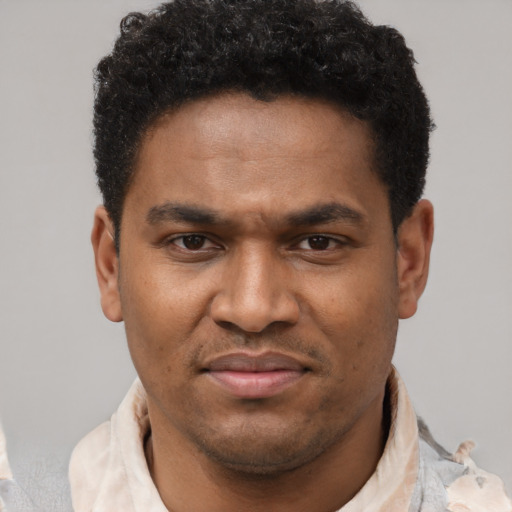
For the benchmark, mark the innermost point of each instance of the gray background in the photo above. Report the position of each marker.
(64, 368)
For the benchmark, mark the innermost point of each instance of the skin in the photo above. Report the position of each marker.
(264, 272)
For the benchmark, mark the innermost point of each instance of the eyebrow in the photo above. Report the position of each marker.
(177, 212)
(326, 213)
(190, 214)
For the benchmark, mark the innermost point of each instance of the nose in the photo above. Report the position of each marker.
(255, 292)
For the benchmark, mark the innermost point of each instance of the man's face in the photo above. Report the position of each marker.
(257, 279)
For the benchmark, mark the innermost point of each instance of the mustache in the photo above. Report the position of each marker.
(271, 341)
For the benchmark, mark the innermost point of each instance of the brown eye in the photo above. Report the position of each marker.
(192, 245)
(193, 242)
(318, 243)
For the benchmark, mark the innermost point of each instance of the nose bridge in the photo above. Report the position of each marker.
(255, 290)
(254, 265)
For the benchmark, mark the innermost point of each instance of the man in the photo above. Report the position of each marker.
(262, 233)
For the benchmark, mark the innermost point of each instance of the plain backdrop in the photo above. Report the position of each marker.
(64, 368)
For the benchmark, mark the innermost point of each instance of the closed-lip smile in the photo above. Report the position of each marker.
(252, 376)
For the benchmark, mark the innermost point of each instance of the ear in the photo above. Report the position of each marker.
(107, 264)
(415, 236)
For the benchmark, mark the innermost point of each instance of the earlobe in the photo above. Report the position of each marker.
(415, 236)
(107, 264)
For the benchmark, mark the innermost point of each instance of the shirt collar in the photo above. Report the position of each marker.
(392, 484)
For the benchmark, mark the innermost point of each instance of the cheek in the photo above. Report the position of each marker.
(360, 329)
(358, 313)
(156, 295)
(166, 317)
(157, 314)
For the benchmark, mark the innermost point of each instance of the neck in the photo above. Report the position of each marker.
(186, 478)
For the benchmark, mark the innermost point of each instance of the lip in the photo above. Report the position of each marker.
(252, 376)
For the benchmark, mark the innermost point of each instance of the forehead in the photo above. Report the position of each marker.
(299, 151)
(245, 126)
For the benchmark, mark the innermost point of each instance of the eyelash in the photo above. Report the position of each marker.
(329, 239)
(204, 239)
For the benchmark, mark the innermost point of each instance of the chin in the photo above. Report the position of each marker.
(267, 453)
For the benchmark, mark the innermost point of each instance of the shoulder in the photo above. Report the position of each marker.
(94, 447)
(476, 490)
(88, 465)
(454, 483)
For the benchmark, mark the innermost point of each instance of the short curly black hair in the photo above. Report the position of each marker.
(187, 49)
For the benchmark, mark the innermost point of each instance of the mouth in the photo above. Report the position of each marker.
(253, 376)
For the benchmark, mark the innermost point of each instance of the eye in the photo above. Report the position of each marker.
(318, 243)
(193, 242)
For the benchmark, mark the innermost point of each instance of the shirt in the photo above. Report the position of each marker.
(108, 469)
